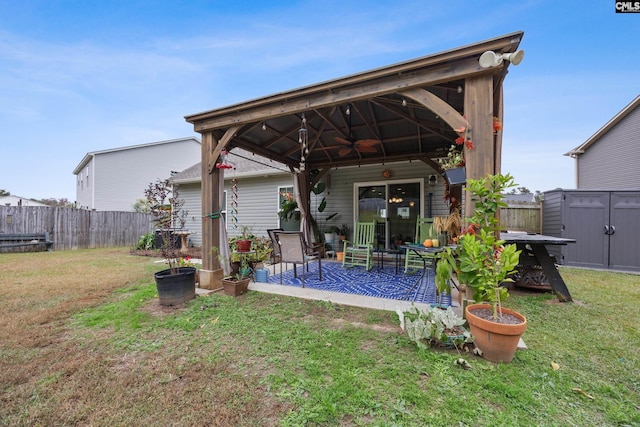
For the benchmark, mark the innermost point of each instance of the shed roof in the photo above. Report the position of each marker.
(245, 164)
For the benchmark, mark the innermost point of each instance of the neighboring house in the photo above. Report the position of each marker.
(610, 157)
(603, 213)
(262, 184)
(18, 201)
(519, 199)
(114, 179)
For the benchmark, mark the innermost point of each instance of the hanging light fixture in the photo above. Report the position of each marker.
(303, 140)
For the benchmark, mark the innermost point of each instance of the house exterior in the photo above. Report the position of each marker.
(403, 188)
(609, 158)
(18, 201)
(258, 182)
(114, 179)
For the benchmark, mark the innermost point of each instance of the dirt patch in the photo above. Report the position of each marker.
(339, 323)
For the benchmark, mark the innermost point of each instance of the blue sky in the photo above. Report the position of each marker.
(80, 75)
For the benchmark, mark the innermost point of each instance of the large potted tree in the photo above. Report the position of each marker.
(484, 263)
(176, 284)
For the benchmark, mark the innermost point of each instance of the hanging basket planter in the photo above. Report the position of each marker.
(456, 176)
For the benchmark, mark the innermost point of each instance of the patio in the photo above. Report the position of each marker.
(378, 288)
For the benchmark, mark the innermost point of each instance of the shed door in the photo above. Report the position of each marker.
(625, 241)
(584, 219)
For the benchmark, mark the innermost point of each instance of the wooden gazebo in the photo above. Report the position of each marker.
(416, 109)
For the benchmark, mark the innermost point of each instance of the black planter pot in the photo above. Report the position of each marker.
(456, 176)
(175, 289)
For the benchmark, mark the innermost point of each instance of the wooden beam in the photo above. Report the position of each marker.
(362, 90)
(438, 106)
(432, 69)
(214, 150)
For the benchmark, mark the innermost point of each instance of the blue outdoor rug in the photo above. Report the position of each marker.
(379, 283)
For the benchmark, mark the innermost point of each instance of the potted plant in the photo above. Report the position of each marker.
(483, 263)
(344, 232)
(243, 244)
(238, 283)
(453, 166)
(330, 234)
(176, 284)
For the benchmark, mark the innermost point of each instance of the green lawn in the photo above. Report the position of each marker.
(96, 349)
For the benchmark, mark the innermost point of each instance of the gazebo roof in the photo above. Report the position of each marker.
(411, 107)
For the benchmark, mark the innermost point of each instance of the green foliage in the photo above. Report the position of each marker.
(480, 260)
(433, 326)
(146, 242)
(142, 206)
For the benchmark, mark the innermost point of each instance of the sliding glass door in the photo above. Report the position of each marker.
(395, 206)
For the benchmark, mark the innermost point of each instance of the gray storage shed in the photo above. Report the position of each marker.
(604, 223)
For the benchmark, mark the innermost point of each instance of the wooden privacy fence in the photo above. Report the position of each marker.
(521, 218)
(71, 228)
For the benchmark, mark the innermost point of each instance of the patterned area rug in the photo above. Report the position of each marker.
(379, 283)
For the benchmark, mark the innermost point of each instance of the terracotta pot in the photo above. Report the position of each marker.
(498, 341)
(243, 245)
(339, 256)
(235, 287)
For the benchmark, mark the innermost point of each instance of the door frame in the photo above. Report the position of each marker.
(386, 183)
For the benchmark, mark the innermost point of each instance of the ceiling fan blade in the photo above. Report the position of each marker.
(367, 142)
(343, 141)
(365, 149)
(344, 151)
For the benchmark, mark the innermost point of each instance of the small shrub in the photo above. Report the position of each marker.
(146, 242)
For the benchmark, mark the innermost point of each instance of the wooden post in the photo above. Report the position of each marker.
(211, 271)
(478, 109)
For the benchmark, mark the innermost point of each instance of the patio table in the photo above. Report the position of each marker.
(534, 254)
(397, 255)
(425, 254)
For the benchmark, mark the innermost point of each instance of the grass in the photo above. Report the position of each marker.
(84, 342)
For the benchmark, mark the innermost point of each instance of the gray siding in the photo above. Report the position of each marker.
(122, 176)
(341, 197)
(258, 196)
(84, 185)
(612, 161)
(257, 204)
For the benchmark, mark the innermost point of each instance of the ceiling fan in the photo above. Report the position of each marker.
(350, 143)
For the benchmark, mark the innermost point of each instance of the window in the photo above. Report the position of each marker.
(287, 202)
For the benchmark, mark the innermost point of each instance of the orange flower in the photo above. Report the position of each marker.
(497, 125)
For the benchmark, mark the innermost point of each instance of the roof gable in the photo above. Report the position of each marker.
(92, 154)
(604, 129)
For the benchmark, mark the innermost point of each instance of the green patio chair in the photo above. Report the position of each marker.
(359, 251)
(424, 230)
